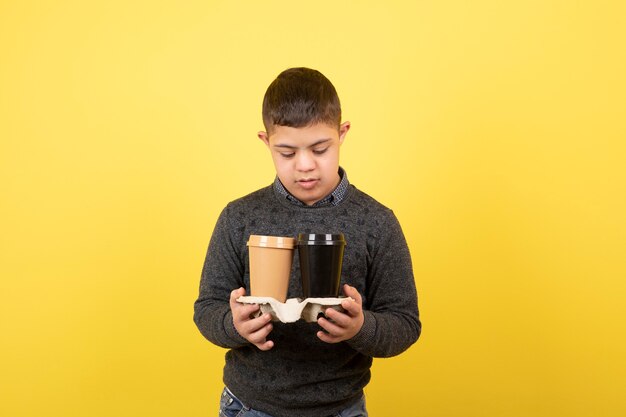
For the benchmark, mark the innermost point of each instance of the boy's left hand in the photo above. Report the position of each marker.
(343, 326)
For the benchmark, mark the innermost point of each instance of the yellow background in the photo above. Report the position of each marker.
(494, 129)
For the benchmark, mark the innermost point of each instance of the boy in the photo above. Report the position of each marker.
(307, 369)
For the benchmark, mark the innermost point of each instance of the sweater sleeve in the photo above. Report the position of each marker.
(391, 313)
(222, 272)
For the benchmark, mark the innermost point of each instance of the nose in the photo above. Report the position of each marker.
(305, 162)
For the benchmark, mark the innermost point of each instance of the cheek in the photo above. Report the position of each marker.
(330, 163)
(281, 165)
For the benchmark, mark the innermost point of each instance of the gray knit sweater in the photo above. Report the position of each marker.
(301, 375)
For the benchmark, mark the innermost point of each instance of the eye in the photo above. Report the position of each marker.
(319, 151)
(287, 154)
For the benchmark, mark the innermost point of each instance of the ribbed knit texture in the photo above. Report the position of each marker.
(301, 375)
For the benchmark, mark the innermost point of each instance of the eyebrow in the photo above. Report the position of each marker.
(285, 146)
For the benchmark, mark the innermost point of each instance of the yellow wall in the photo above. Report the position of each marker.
(495, 130)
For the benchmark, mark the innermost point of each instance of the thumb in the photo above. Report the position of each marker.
(352, 292)
(235, 294)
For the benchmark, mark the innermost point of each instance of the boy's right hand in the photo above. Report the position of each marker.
(254, 330)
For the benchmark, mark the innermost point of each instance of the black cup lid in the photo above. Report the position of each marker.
(321, 239)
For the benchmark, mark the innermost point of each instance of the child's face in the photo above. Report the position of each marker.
(307, 158)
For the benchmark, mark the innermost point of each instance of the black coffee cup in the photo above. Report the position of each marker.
(321, 257)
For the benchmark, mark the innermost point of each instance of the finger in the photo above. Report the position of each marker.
(234, 295)
(330, 327)
(239, 292)
(352, 292)
(352, 308)
(243, 312)
(325, 337)
(339, 318)
(252, 324)
(267, 345)
(260, 335)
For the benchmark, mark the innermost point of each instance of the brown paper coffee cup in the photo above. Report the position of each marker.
(270, 265)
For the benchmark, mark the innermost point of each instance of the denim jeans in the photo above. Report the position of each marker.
(230, 406)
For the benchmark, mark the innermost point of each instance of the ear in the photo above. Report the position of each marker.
(343, 130)
(264, 138)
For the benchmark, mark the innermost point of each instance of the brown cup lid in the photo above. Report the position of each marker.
(271, 242)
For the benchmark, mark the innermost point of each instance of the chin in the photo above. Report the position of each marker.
(308, 199)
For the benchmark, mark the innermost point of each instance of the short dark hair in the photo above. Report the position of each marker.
(301, 97)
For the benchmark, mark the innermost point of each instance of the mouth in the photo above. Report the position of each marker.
(307, 183)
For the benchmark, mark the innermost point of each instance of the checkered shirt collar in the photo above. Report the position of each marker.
(331, 199)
